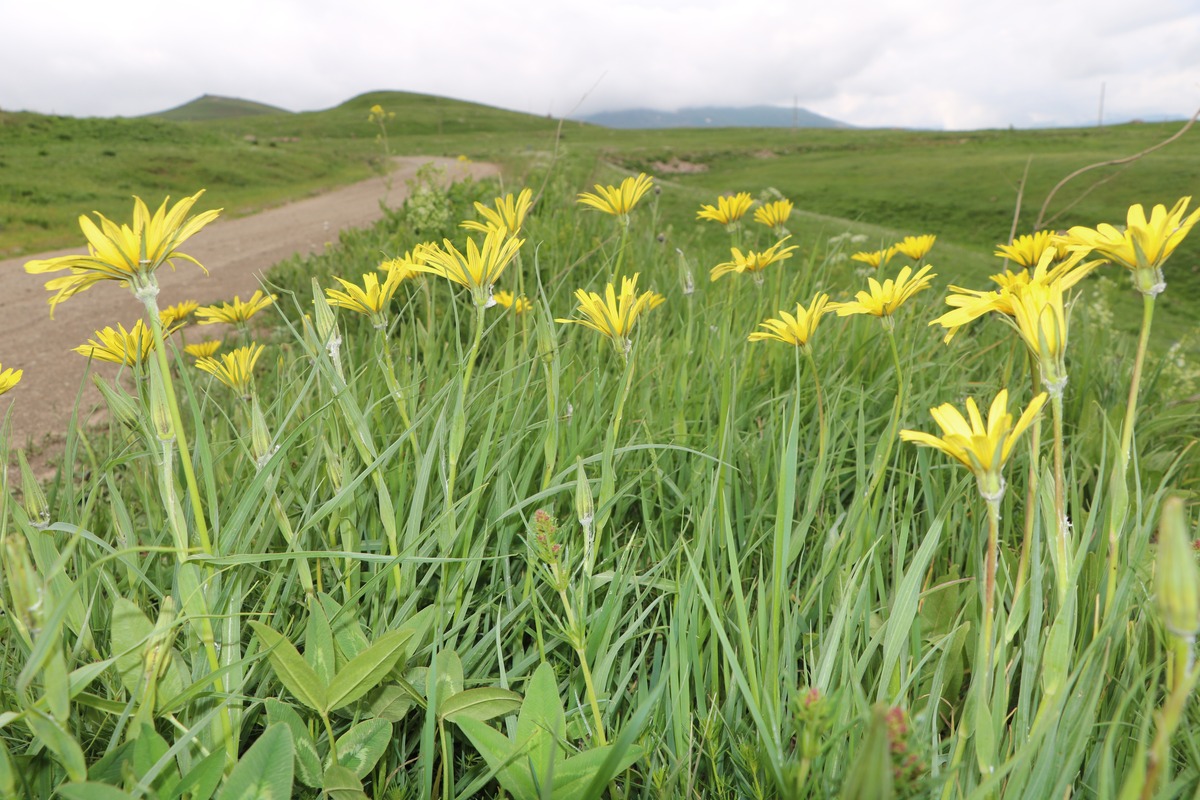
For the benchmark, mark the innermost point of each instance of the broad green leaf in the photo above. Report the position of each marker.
(291, 669)
(482, 704)
(449, 677)
(391, 702)
(130, 629)
(341, 783)
(91, 790)
(111, 767)
(361, 747)
(148, 749)
(56, 685)
(201, 780)
(265, 771)
(318, 643)
(8, 775)
(904, 606)
(365, 671)
(60, 743)
(308, 761)
(347, 633)
(542, 723)
(503, 758)
(572, 774)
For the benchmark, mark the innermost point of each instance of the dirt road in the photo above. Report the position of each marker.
(236, 252)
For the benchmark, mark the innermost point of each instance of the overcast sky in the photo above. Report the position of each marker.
(954, 64)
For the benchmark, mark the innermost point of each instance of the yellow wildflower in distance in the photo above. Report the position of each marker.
(1144, 244)
(237, 312)
(877, 258)
(206, 349)
(915, 247)
(177, 314)
(728, 210)
(129, 254)
(982, 448)
(614, 315)
(479, 268)
(774, 215)
(120, 346)
(752, 262)
(508, 213)
(371, 299)
(235, 369)
(1040, 317)
(794, 330)
(618, 200)
(1026, 250)
(519, 305)
(882, 300)
(9, 378)
(406, 265)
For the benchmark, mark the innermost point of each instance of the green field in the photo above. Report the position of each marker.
(454, 551)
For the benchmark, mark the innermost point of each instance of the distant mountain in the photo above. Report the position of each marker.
(211, 106)
(714, 117)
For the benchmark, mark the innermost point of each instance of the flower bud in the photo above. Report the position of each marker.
(160, 409)
(120, 403)
(27, 592)
(33, 499)
(260, 436)
(1177, 578)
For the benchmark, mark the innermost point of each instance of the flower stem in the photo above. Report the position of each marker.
(384, 353)
(1035, 444)
(1062, 525)
(989, 589)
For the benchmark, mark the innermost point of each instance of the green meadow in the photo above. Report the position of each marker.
(396, 542)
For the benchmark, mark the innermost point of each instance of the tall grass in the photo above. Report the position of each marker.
(784, 602)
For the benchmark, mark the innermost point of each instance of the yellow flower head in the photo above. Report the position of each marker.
(877, 258)
(981, 448)
(728, 210)
(1144, 244)
(235, 369)
(618, 201)
(370, 299)
(882, 300)
(177, 314)
(1040, 317)
(774, 215)
(613, 315)
(752, 262)
(794, 330)
(509, 213)
(236, 313)
(206, 349)
(9, 378)
(1026, 250)
(406, 265)
(519, 305)
(125, 253)
(479, 268)
(916, 247)
(129, 347)
(970, 304)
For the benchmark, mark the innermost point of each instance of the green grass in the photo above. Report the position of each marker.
(213, 107)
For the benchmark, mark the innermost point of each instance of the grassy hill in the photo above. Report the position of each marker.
(209, 107)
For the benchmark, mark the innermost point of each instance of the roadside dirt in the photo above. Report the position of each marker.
(236, 252)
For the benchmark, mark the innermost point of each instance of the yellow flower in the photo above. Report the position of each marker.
(983, 449)
(752, 262)
(370, 299)
(479, 268)
(614, 315)
(794, 330)
(509, 213)
(882, 300)
(774, 215)
(916, 247)
(970, 304)
(406, 265)
(728, 209)
(519, 305)
(1040, 317)
(1144, 244)
(1026, 250)
(129, 347)
(9, 378)
(124, 253)
(237, 313)
(877, 258)
(235, 369)
(206, 349)
(618, 201)
(177, 314)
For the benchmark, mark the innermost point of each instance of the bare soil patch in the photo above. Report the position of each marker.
(236, 252)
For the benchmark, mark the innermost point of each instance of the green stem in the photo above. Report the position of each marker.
(608, 480)
(394, 389)
(822, 428)
(1035, 444)
(1061, 539)
(989, 590)
(577, 639)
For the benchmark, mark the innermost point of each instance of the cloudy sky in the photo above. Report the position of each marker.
(953, 64)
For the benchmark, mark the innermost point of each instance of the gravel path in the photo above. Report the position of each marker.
(236, 252)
